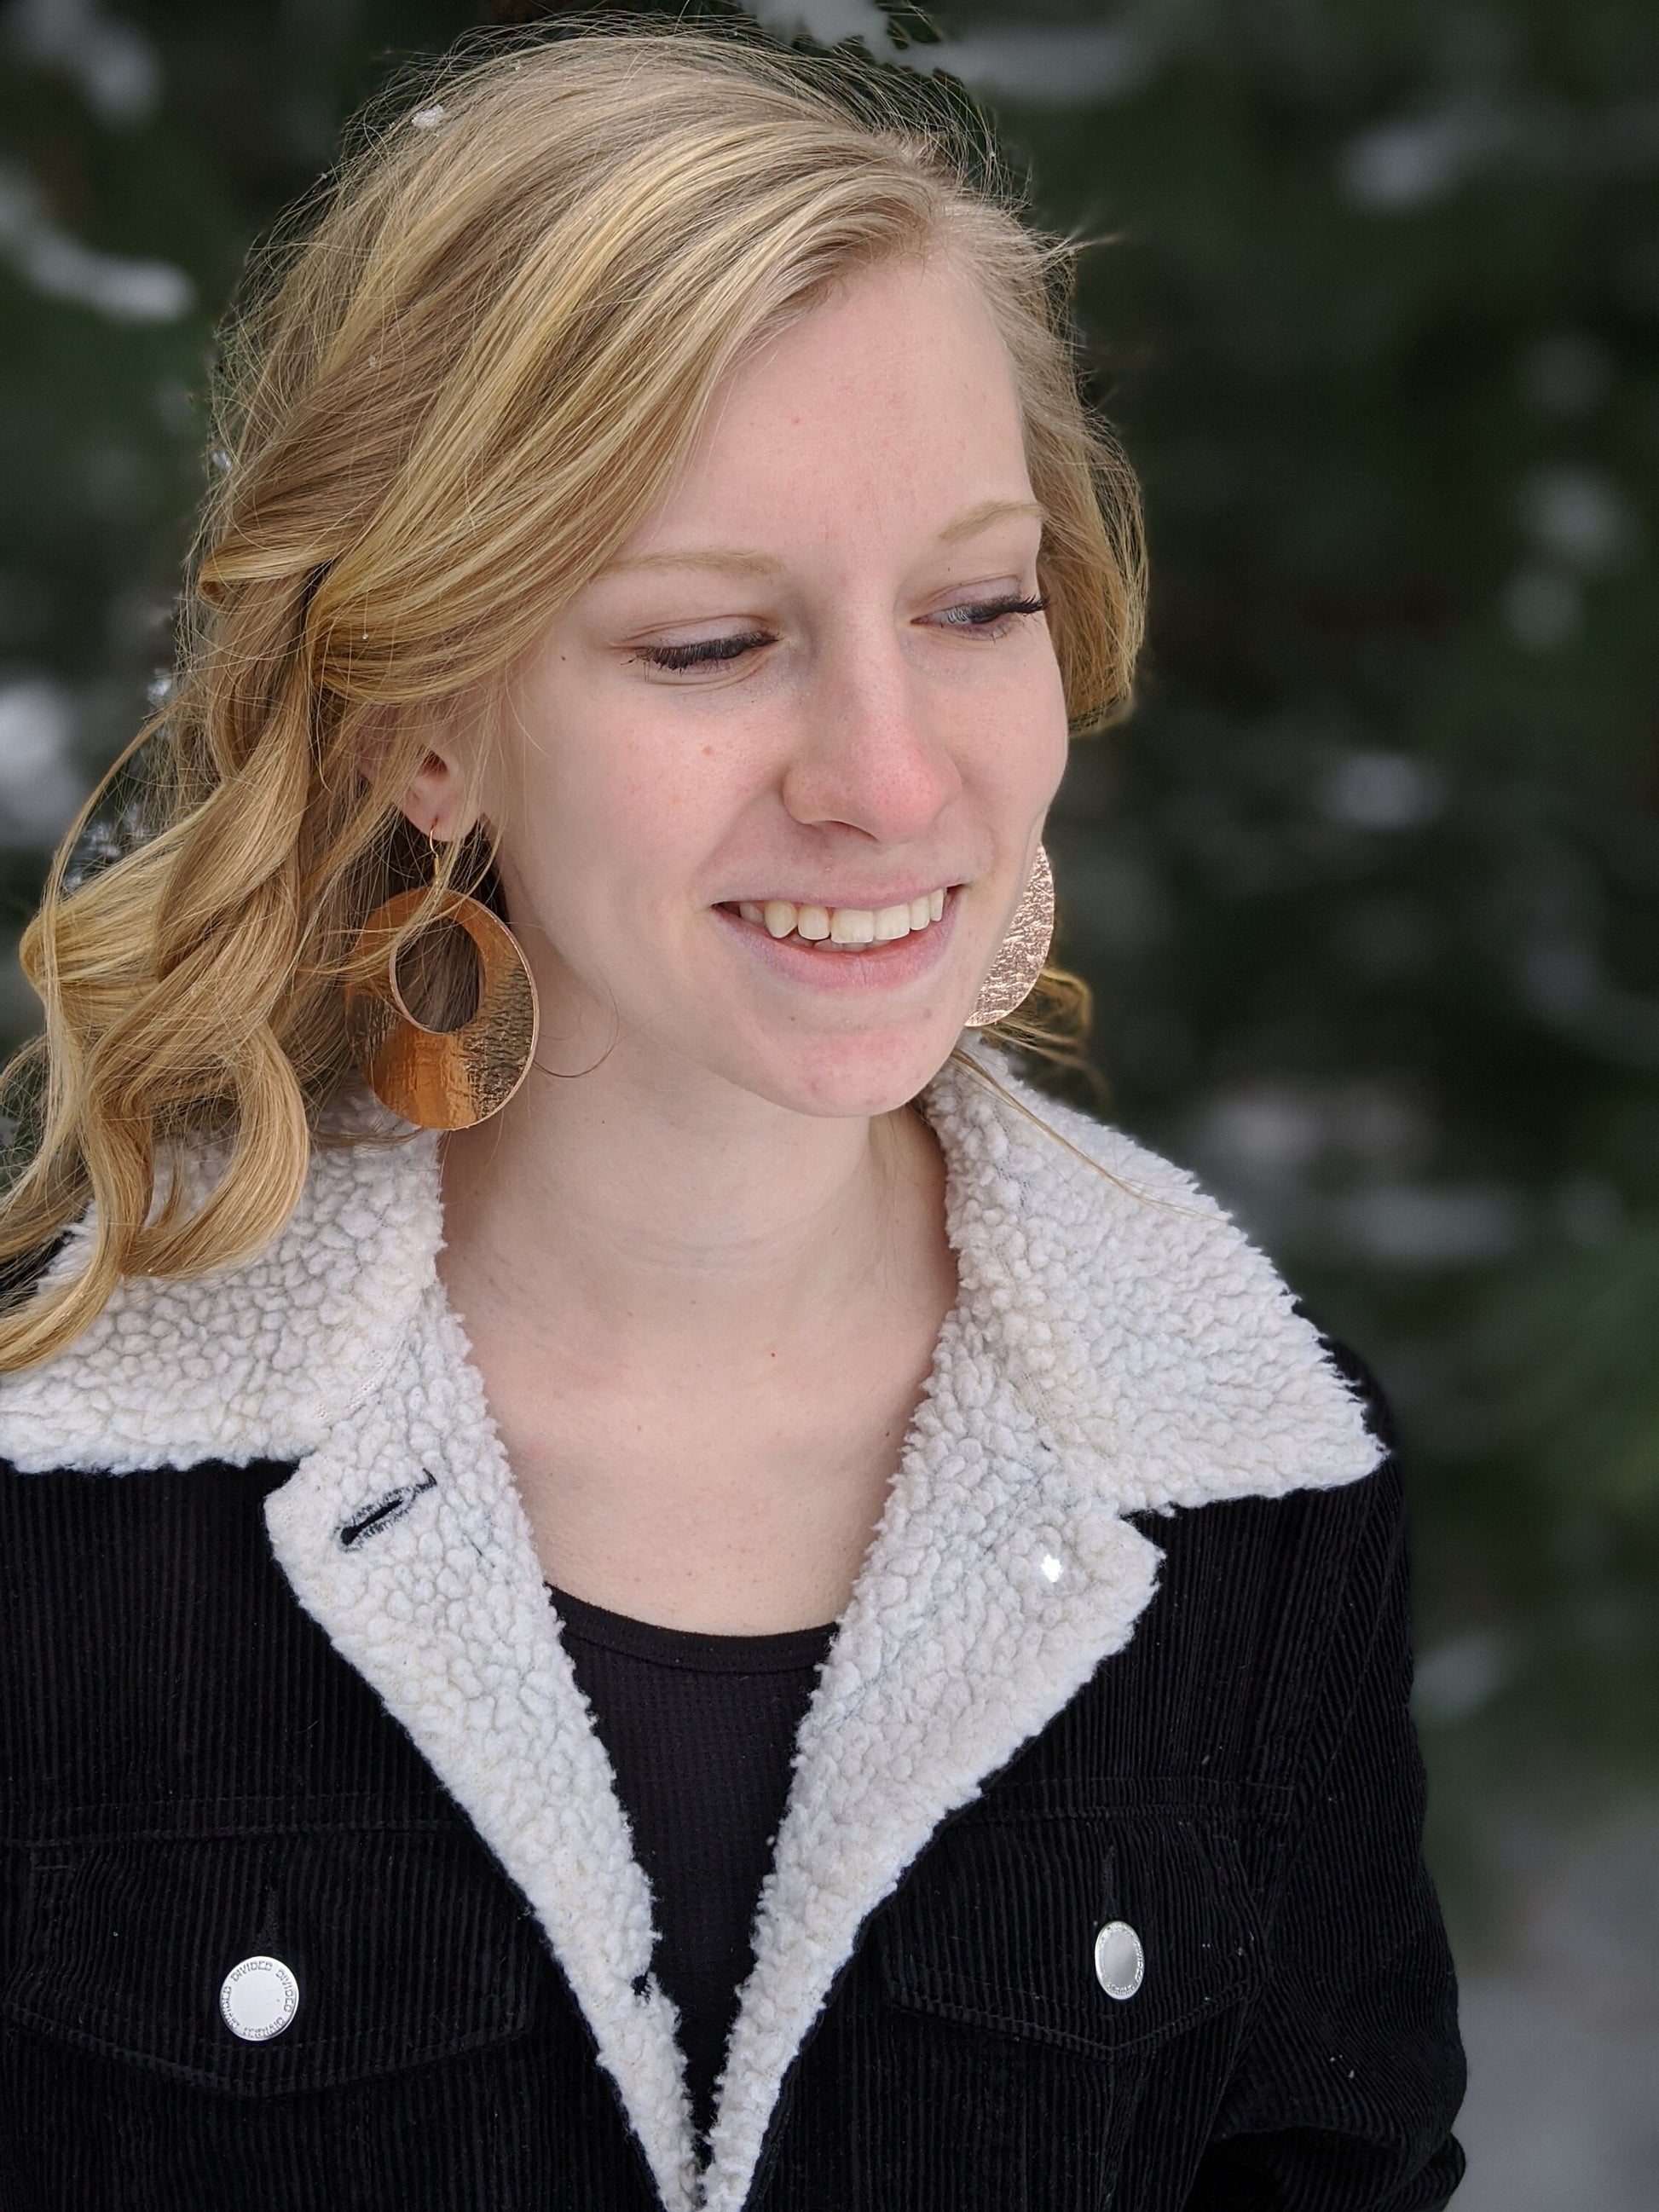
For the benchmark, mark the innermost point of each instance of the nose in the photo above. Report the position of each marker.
(870, 749)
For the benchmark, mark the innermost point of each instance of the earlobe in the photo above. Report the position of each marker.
(434, 798)
(434, 801)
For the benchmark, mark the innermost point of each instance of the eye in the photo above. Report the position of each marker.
(705, 652)
(991, 617)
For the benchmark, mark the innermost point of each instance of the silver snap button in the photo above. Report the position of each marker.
(1119, 1962)
(258, 1998)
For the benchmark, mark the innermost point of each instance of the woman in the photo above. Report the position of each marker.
(750, 1613)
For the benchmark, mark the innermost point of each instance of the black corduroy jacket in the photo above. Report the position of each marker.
(1100, 1881)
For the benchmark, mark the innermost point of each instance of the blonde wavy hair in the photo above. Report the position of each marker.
(453, 386)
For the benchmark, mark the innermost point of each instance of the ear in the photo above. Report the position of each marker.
(434, 800)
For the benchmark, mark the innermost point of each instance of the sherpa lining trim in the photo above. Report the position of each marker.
(1104, 1356)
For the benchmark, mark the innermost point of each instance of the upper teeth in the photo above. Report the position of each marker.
(845, 925)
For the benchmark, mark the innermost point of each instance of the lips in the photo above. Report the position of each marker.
(825, 965)
(843, 925)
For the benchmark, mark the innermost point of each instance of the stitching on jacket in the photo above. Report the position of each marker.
(379, 1517)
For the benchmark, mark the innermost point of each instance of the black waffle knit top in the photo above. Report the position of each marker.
(701, 1730)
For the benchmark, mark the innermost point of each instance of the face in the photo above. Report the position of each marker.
(805, 683)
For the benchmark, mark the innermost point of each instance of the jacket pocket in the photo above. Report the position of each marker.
(404, 1946)
(998, 1923)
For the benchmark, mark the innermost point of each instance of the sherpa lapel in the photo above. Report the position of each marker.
(405, 1537)
(1116, 1345)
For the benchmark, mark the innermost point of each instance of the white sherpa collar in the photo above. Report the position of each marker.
(1105, 1355)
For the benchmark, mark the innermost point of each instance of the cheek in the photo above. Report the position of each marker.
(1025, 740)
(616, 820)
(1053, 722)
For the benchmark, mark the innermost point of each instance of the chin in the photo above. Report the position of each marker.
(865, 1073)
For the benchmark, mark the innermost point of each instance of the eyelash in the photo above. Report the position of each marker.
(716, 650)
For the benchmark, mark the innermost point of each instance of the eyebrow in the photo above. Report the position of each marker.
(990, 510)
(763, 564)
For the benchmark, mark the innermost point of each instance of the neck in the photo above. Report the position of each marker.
(640, 1214)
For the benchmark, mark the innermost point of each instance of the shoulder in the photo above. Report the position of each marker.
(1362, 1379)
(251, 1361)
(1145, 1327)
(1293, 1589)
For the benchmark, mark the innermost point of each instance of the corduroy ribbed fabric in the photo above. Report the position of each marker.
(190, 1774)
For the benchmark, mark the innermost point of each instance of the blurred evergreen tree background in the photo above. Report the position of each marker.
(1367, 887)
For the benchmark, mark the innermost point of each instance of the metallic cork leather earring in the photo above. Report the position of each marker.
(443, 1078)
(1023, 952)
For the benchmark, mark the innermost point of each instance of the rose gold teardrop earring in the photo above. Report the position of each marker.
(443, 1078)
(1023, 951)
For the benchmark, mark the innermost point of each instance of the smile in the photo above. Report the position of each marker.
(844, 947)
(843, 925)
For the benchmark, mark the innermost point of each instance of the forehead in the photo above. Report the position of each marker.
(895, 393)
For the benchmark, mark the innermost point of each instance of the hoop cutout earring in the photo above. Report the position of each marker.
(1023, 951)
(444, 1079)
